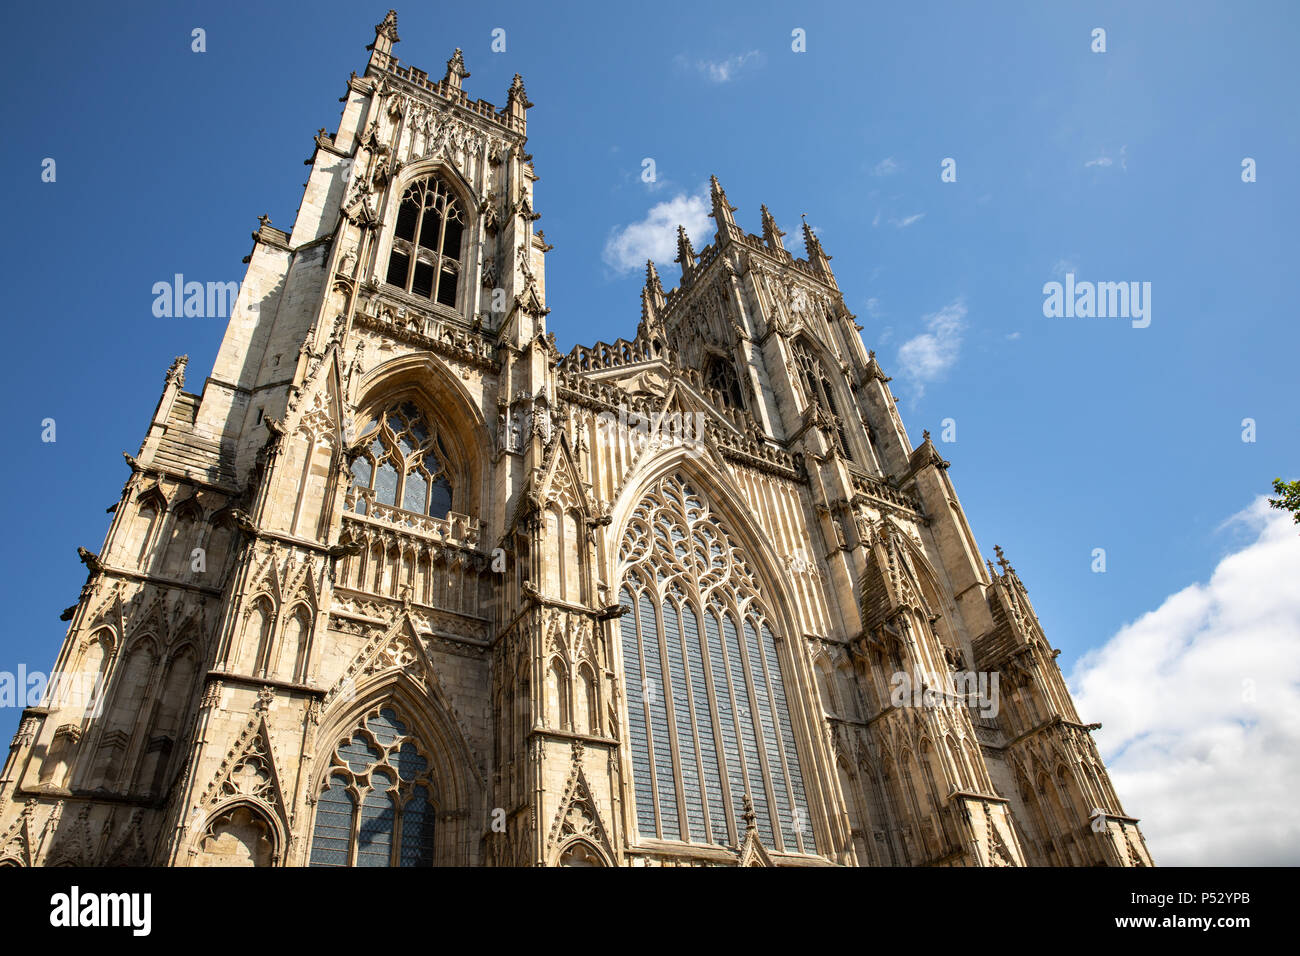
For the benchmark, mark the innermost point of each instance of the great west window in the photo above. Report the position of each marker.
(707, 710)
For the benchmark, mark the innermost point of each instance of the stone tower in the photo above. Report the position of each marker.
(403, 585)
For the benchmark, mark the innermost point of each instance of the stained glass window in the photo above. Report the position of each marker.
(708, 717)
(377, 808)
(404, 465)
(333, 825)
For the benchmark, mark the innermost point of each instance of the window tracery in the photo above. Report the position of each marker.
(404, 465)
(720, 374)
(818, 390)
(378, 805)
(708, 716)
(425, 257)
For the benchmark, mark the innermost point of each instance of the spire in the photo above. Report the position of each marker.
(771, 234)
(177, 371)
(652, 282)
(652, 296)
(456, 71)
(817, 257)
(385, 37)
(722, 209)
(1003, 563)
(517, 99)
(685, 254)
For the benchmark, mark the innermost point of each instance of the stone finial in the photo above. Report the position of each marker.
(771, 234)
(385, 37)
(1003, 563)
(722, 209)
(874, 371)
(176, 372)
(652, 277)
(517, 98)
(925, 436)
(652, 298)
(456, 71)
(685, 252)
(388, 28)
(264, 220)
(813, 250)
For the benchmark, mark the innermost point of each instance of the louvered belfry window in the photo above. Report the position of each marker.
(425, 258)
(708, 714)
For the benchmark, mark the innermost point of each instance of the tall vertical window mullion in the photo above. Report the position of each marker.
(642, 773)
(417, 830)
(661, 744)
(711, 760)
(332, 837)
(747, 714)
(804, 829)
(375, 840)
(728, 730)
(680, 690)
(777, 775)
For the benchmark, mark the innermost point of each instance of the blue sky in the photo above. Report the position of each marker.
(1072, 434)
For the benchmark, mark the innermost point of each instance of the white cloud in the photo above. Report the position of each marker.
(873, 308)
(1200, 705)
(1012, 336)
(655, 236)
(1099, 161)
(1065, 264)
(885, 167)
(726, 70)
(905, 222)
(926, 357)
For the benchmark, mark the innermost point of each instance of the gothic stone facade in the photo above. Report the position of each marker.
(405, 586)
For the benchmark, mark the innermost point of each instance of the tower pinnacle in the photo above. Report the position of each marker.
(722, 210)
(771, 234)
(456, 72)
(817, 257)
(385, 37)
(685, 254)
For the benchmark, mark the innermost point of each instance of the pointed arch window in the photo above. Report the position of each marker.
(425, 257)
(708, 718)
(404, 466)
(378, 805)
(720, 373)
(818, 390)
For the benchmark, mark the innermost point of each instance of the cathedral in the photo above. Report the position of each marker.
(402, 585)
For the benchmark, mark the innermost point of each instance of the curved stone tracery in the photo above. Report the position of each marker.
(710, 728)
(379, 801)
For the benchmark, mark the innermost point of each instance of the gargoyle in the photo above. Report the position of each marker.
(244, 523)
(345, 547)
